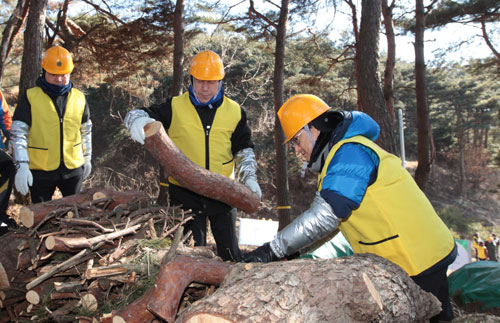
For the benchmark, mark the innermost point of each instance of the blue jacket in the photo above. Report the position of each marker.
(354, 166)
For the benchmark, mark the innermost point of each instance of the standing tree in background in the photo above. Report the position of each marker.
(178, 61)
(11, 30)
(391, 59)
(33, 40)
(423, 123)
(279, 137)
(370, 95)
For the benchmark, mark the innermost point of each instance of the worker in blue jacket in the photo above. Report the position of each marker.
(366, 193)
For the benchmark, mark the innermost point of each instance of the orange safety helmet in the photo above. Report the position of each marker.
(207, 66)
(298, 111)
(57, 60)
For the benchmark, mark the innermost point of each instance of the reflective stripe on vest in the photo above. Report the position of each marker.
(395, 219)
(186, 131)
(44, 138)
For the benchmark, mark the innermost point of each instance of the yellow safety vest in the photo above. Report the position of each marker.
(187, 132)
(44, 138)
(395, 220)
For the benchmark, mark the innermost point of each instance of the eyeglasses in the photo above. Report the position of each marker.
(295, 139)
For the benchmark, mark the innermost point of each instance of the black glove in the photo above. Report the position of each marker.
(261, 254)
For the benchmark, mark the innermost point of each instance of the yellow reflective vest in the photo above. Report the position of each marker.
(45, 138)
(207, 148)
(395, 220)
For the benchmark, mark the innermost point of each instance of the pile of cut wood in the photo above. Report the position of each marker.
(71, 255)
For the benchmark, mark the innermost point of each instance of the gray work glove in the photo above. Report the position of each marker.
(137, 129)
(87, 168)
(23, 178)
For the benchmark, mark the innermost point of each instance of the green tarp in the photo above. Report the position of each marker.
(333, 248)
(477, 282)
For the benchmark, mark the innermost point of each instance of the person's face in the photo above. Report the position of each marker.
(304, 144)
(205, 90)
(57, 79)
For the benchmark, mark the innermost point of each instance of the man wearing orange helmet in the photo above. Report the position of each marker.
(52, 132)
(366, 193)
(212, 131)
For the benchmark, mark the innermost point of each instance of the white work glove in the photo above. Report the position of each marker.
(253, 186)
(137, 129)
(24, 178)
(87, 168)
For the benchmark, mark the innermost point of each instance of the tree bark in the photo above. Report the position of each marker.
(33, 36)
(195, 178)
(391, 59)
(370, 95)
(423, 124)
(358, 288)
(283, 194)
(32, 215)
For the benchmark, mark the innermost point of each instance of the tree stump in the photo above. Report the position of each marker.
(358, 288)
(195, 178)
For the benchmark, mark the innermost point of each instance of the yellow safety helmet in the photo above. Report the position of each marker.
(298, 111)
(57, 60)
(207, 66)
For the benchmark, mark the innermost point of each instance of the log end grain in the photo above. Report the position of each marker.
(32, 297)
(152, 128)
(207, 318)
(50, 242)
(89, 302)
(99, 196)
(26, 217)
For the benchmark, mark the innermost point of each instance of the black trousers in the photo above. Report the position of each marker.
(222, 219)
(437, 284)
(44, 187)
(7, 173)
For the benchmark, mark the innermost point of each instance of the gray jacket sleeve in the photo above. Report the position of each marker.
(314, 224)
(19, 141)
(246, 164)
(86, 131)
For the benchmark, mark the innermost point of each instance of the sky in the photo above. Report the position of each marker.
(434, 40)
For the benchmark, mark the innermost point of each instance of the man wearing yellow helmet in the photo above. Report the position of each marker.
(212, 131)
(366, 193)
(52, 132)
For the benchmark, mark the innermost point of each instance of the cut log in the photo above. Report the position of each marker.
(195, 178)
(358, 288)
(31, 215)
(71, 244)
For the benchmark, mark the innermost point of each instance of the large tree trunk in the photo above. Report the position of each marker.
(391, 59)
(358, 288)
(283, 195)
(33, 36)
(423, 124)
(195, 178)
(371, 98)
